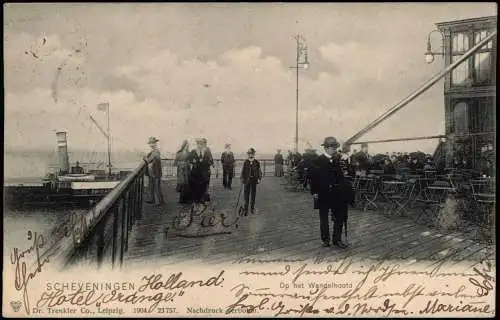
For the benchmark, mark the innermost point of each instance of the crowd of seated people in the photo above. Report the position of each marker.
(396, 163)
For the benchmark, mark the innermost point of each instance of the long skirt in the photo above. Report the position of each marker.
(197, 186)
(183, 186)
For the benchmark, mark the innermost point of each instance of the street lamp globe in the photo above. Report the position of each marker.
(306, 65)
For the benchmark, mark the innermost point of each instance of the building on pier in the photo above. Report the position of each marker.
(470, 90)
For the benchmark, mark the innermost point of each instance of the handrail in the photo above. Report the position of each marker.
(103, 206)
(420, 90)
(123, 204)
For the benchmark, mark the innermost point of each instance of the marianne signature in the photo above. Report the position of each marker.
(22, 275)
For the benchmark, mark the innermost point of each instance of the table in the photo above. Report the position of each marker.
(434, 200)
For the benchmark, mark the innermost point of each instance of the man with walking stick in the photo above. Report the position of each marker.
(331, 191)
(251, 174)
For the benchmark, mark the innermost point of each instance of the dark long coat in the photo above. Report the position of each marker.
(329, 183)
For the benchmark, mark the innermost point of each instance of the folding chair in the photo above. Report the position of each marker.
(484, 203)
(401, 196)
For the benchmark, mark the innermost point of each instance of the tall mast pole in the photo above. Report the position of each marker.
(297, 97)
(109, 143)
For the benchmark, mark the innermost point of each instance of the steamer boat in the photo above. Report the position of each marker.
(67, 186)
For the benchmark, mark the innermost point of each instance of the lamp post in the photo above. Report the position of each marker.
(301, 63)
(429, 55)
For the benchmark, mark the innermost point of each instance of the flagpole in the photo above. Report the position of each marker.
(109, 143)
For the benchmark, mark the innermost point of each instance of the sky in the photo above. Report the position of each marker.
(221, 71)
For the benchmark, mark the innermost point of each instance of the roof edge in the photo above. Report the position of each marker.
(467, 21)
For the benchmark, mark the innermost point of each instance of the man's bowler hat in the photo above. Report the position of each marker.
(251, 151)
(330, 142)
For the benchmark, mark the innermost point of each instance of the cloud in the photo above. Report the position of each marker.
(40, 61)
(226, 80)
(241, 97)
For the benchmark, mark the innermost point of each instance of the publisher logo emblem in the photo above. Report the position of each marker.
(16, 305)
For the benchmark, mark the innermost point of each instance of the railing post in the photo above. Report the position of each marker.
(123, 227)
(115, 233)
(141, 192)
(130, 207)
(135, 195)
(264, 174)
(100, 243)
(125, 219)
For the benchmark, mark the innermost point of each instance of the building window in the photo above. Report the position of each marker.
(478, 69)
(483, 69)
(460, 119)
(482, 115)
(460, 45)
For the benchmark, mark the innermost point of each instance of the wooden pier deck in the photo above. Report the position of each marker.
(285, 226)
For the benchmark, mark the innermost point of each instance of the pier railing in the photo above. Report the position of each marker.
(101, 234)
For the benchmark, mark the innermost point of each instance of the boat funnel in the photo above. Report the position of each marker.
(62, 150)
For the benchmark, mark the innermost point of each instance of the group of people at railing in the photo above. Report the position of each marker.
(194, 169)
(193, 172)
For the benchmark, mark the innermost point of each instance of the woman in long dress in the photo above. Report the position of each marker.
(182, 161)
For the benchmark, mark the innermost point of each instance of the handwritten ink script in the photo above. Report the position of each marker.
(343, 287)
(154, 291)
(317, 286)
(202, 221)
(292, 286)
(19, 259)
(30, 262)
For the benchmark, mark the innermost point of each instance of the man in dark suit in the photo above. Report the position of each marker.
(331, 191)
(251, 174)
(153, 160)
(278, 164)
(227, 160)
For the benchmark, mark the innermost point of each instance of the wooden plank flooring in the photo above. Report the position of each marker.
(286, 226)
